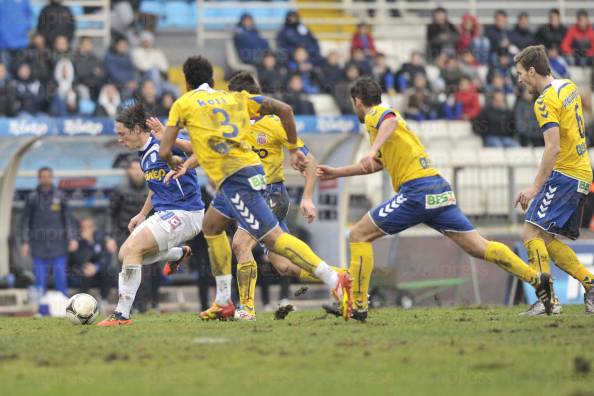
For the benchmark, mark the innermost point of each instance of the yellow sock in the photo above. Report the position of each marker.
(567, 260)
(219, 252)
(247, 274)
(308, 276)
(538, 255)
(297, 251)
(360, 270)
(505, 259)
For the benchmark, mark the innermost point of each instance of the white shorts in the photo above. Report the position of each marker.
(172, 227)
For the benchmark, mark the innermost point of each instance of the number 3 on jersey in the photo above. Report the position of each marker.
(225, 122)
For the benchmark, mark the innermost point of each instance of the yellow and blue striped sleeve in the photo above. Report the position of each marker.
(546, 109)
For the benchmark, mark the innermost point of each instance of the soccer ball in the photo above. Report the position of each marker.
(82, 308)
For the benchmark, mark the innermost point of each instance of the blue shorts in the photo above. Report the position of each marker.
(278, 201)
(242, 197)
(557, 208)
(429, 200)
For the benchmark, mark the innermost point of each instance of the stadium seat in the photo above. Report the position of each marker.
(152, 7)
(469, 142)
(324, 105)
(459, 129)
(178, 14)
(432, 130)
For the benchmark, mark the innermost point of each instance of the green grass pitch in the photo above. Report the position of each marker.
(456, 351)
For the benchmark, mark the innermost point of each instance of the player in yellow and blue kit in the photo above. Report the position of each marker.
(217, 123)
(268, 139)
(554, 202)
(422, 196)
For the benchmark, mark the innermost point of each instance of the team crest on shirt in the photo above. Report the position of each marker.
(261, 138)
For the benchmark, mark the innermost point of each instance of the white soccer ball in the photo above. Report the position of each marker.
(82, 308)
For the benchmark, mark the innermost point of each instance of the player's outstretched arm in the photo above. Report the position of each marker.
(386, 129)
(308, 209)
(325, 172)
(547, 163)
(157, 130)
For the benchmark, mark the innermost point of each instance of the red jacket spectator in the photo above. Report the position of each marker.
(579, 39)
(362, 39)
(469, 29)
(468, 97)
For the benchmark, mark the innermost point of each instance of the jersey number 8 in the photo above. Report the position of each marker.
(225, 122)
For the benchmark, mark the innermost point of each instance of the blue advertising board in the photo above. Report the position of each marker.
(567, 289)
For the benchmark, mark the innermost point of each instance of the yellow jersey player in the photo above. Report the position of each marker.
(422, 196)
(218, 123)
(564, 175)
(268, 139)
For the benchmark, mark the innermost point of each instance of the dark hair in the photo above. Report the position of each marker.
(198, 70)
(367, 90)
(439, 9)
(523, 14)
(534, 56)
(132, 115)
(555, 11)
(582, 13)
(44, 169)
(500, 12)
(244, 81)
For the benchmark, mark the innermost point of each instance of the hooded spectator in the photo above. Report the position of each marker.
(363, 40)
(468, 97)
(108, 101)
(15, 23)
(469, 30)
(498, 33)
(29, 91)
(88, 67)
(441, 33)
(294, 34)
(56, 20)
(551, 34)
(296, 97)
(120, 69)
(269, 74)
(578, 43)
(8, 100)
(521, 36)
(249, 45)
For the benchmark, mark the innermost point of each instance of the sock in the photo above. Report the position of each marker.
(173, 254)
(567, 260)
(128, 283)
(301, 255)
(504, 258)
(360, 269)
(247, 275)
(308, 276)
(538, 256)
(219, 252)
(223, 289)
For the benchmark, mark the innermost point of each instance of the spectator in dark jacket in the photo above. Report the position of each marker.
(90, 264)
(498, 34)
(15, 23)
(164, 105)
(294, 34)
(269, 74)
(407, 72)
(342, 92)
(441, 33)
(578, 43)
(420, 101)
(363, 40)
(55, 20)
(383, 73)
(296, 97)
(558, 64)
(8, 101)
(301, 65)
(29, 91)
(525, 120)
(494, 124)
(48, 232)
(148, 95)
(249, 45)
(521, 36)
(120, 69)
(362, 62)
(331, 72)
(551, 34)
(88, 67)
(38, 56)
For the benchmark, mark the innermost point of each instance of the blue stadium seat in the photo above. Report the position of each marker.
(152, 7)
(178, 14)
(86, 106)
